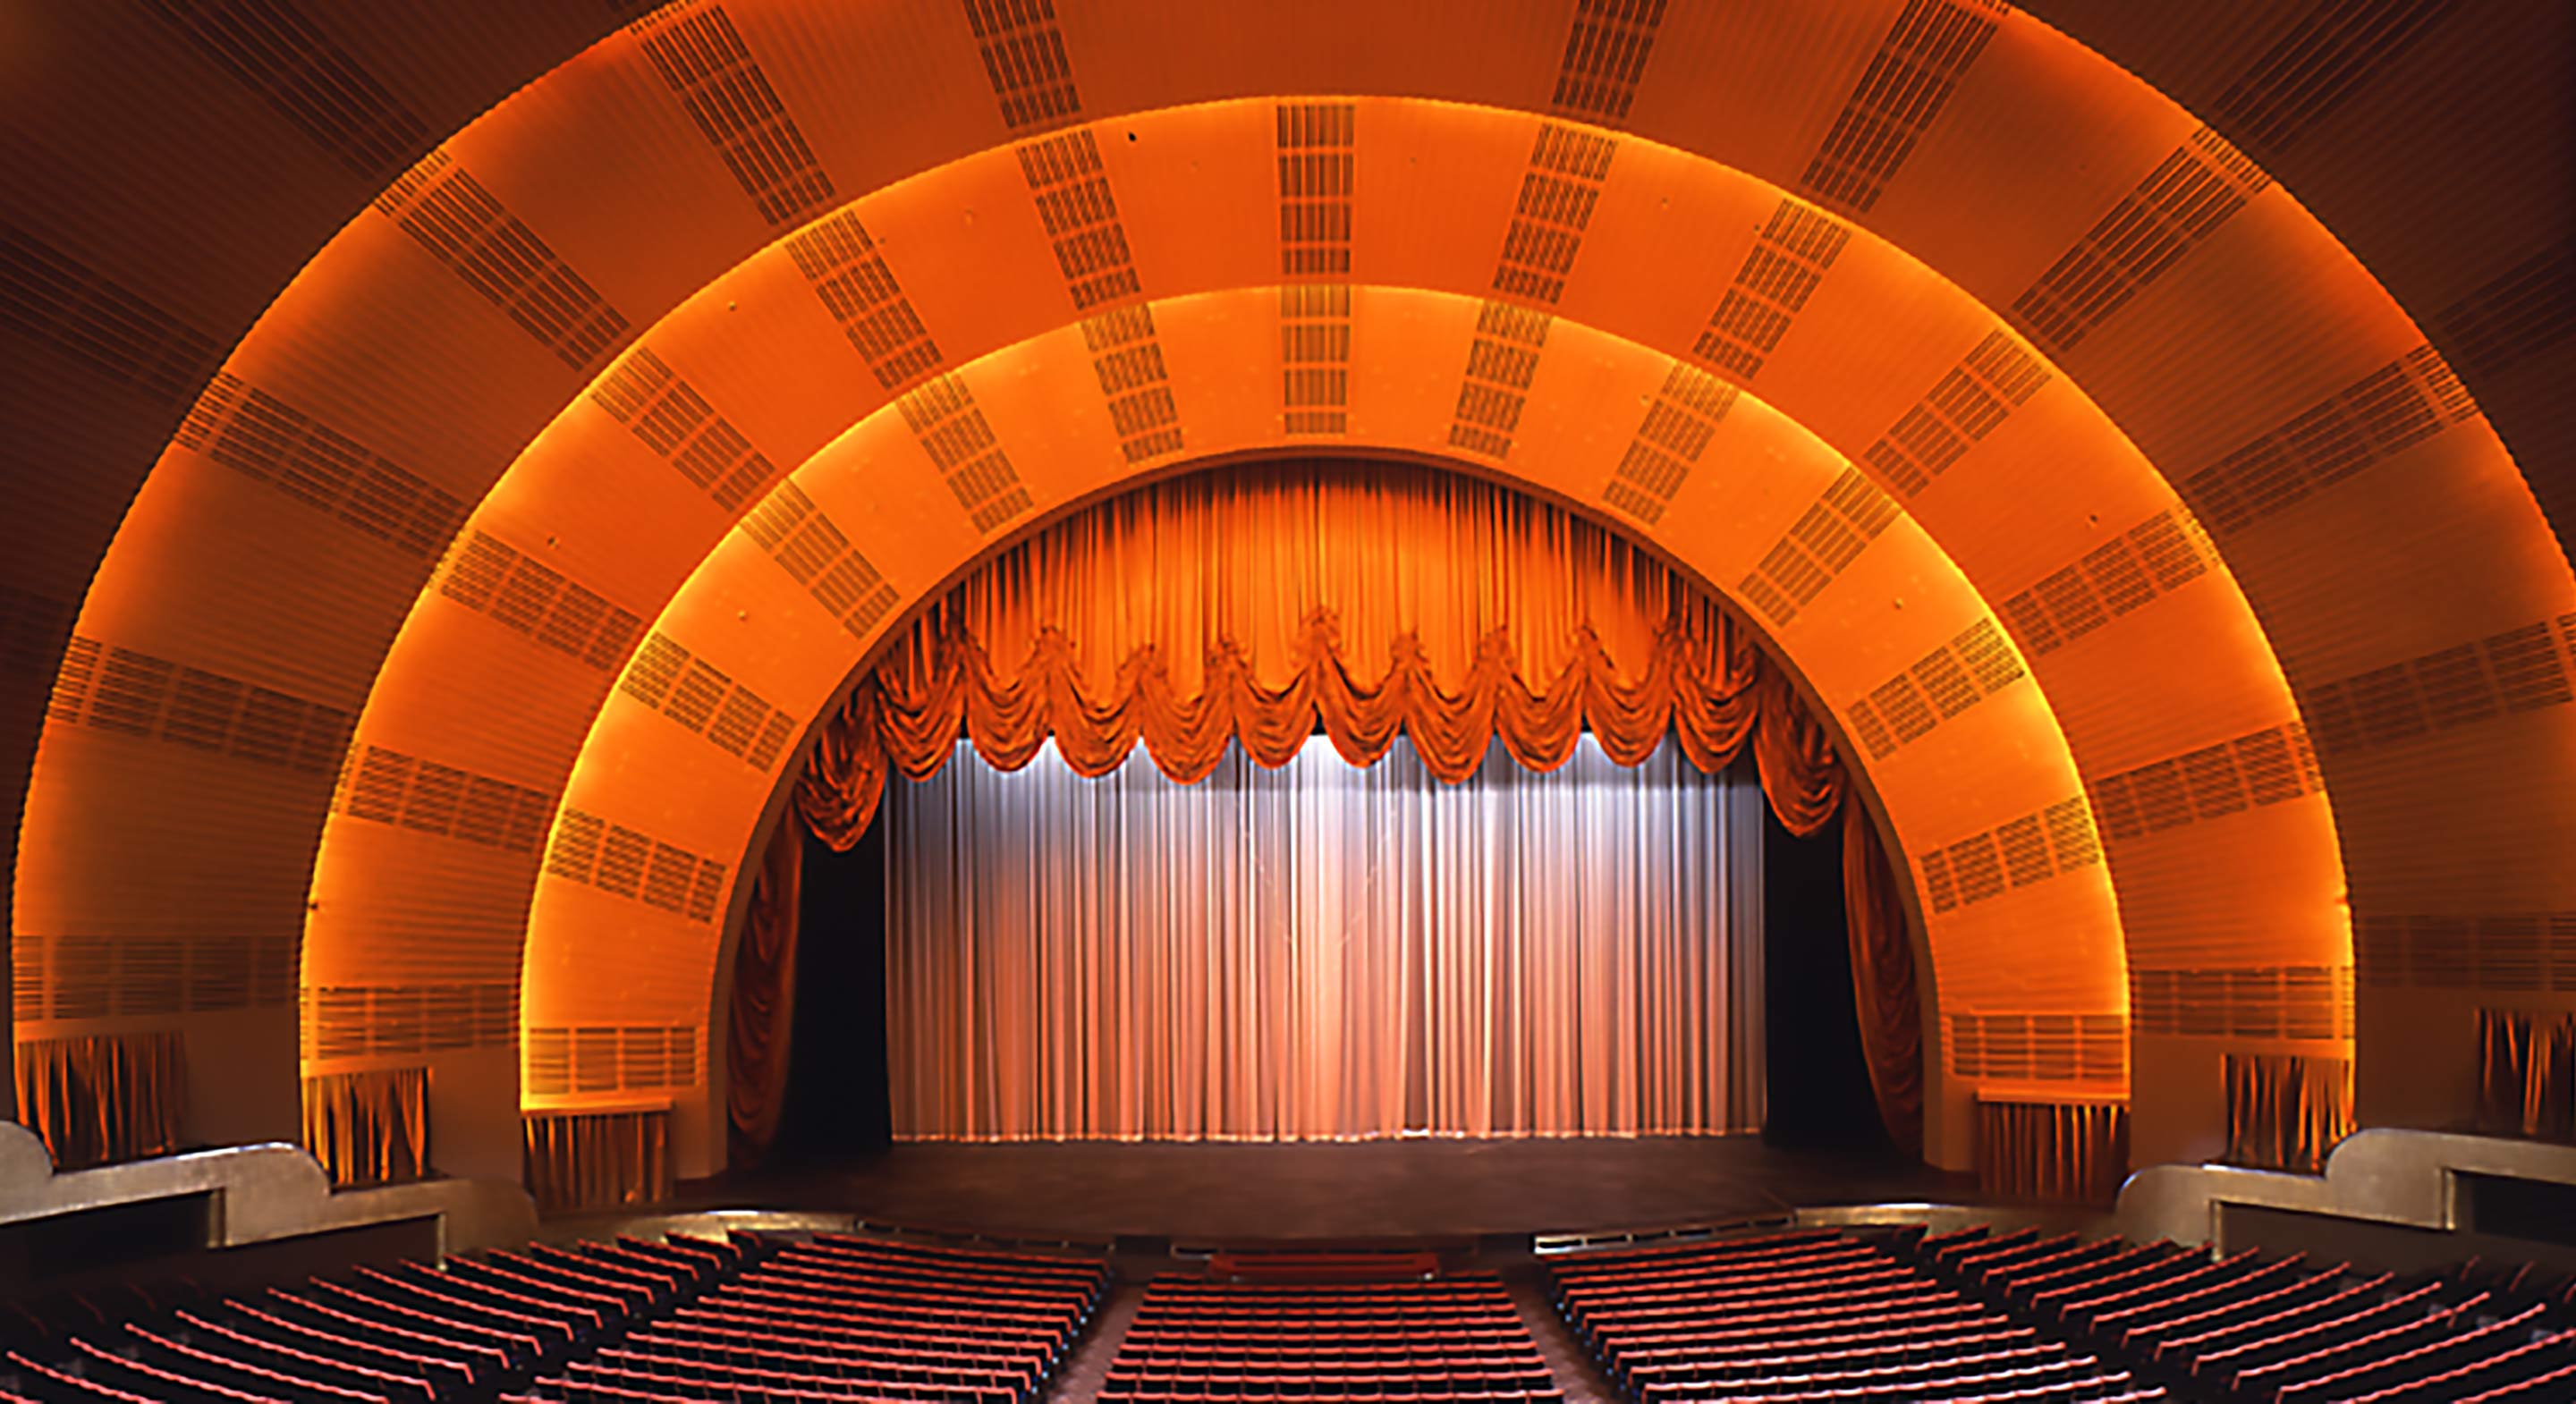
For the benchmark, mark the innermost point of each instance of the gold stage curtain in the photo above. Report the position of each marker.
(371, 1127)
(2067, 1152)
(2286, 1111)
(97, 1099)
(2527, 1073)
(1362, 601)
(763, 1003)
(1882, 961)
(596, 1160)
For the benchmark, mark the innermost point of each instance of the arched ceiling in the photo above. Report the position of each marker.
(2083, 359)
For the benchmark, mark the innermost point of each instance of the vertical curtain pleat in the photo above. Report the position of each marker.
(762, 1004)
(2070, 1152)
(1256, 608)
(596, 1160)
(1883, 997)
(2527, 1073)
(2286, 1111)
(97, 1099)
(369, 1127)
(1324, 951)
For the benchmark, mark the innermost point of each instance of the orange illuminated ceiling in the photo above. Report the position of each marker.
(750, 327)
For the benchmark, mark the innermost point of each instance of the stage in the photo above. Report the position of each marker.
(1412, 1188)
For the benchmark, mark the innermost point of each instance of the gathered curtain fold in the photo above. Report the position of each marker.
(98, 1099)
(596, 1160)
(2287, 1111)
(1260, 606)
(369, 1127)
(1883, 991)
(2527, 1073)
(763, 999)
(2058, 1152)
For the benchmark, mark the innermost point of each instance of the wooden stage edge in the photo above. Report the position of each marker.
(1363, 1190)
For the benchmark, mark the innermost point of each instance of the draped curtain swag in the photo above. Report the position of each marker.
(369, 1127)
(2066, 1152)
(763, 1001)
(97, 1099)
(2287, 1111)
(1261, 605)
(2527, 1073)
(596, 1160)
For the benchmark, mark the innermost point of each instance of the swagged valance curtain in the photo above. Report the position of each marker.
(1259, 606)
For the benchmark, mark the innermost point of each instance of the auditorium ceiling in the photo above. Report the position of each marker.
(462, 451)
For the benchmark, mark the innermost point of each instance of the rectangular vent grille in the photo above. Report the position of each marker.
(2180, 203)
(136, 694)
(1558, 191)
(79, 975)
(2319, 65)
(1318, 171)
(1942, 684)
(707, 66)
(2519, 670)
(2158, 556)
(626, 863)
(677, 423)
(1605, 54)
(1907, 83)
(1982, 391)
(385, 786)
(346, 1022)
(1501, 363)
(942, 414)
(2524, 951)
(849, 273)
(1129, 364)
(1679, 424)
(666, 677)
(2260, 768)
(271, 48)
(1081, 217)
(2393, 408)
(89, 318)
(269, 441)
(2039, 1047)
(1315, 354)
(2267, 1001)
(1787, 262)
(2034, 848)
(492, 578)
(803, 540)
(1024, 59)
(562, 1061)
(449, 213)
(2526, 309)
(1847, 516)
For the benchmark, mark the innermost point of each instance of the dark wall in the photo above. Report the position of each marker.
(836, 1072)
(1819, 1085)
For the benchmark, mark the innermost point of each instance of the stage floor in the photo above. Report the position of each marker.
(1322, 1190)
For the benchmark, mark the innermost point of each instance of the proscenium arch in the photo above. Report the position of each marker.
(1520, 78)
(2056, 429)
(746, 618)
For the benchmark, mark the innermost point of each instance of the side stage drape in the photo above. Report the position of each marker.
(1324, 951)
(1264, 605)
(369, 1127)
(97, 1099)
(763, 1000)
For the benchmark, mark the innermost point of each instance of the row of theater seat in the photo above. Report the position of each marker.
(2284, 1329)
(1978, 1315)
(404, 1334)
(750, 1319)
(1457, 1338)
(1812, 1316)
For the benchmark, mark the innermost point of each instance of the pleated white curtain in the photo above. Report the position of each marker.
(1324, 951)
